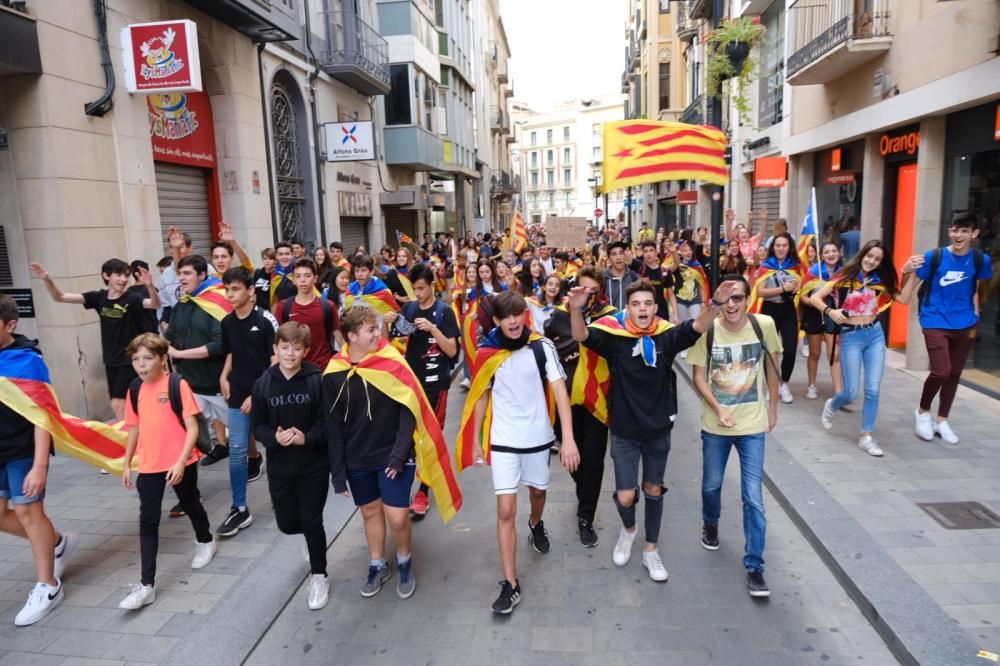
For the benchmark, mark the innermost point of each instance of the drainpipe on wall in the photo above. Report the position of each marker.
(105, 102)
(267, 145)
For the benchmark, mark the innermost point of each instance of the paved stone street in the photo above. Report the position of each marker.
(577, 607)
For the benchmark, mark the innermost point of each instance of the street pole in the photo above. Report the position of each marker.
(715, 103)
(628, 208)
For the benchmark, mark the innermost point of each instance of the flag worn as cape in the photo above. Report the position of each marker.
(386, 370)
(281, 274)
(375, 295)
(210, 296)
(695, 271)
(592, 378)
(617, 324)
(26, 389)
(769, 267)
(470, 331)
(488, 359)
(817, 276)
(883, 298)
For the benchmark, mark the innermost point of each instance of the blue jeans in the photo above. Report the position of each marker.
(239, 446)
(862, 347)
(715, 454)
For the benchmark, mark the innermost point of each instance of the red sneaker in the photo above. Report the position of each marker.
(421, 503)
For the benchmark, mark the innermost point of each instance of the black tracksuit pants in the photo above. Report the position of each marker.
(592, 440)
(298, 509)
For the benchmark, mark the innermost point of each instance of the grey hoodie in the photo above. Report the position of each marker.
(614, 287)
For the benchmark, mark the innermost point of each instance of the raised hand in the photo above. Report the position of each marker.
(577, 297)
(38, 271)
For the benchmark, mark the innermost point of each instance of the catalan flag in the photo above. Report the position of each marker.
(281, 274)
(637, 152)
(809, 233)
(592, 376)
(620, 325)
(386, 370)
(210, 296)
(403, 239)
(375, 294)
(771, 267)
(26, 389)
(519, 233)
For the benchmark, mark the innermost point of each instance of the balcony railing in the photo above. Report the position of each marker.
(686, 27)
(502, 184)
(498, 119)
(694, 114)
(821, 28)
(355, 54)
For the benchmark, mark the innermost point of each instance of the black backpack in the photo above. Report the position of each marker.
(325, 306)
(710, 337)
(924, 291)
(204, 441)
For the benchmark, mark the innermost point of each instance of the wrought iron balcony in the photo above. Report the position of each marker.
(498, 120)
(699, 9)
(355, 54)
(694, 114)
(502, 185)
(831, 40)
(502, 76)
(686, 27)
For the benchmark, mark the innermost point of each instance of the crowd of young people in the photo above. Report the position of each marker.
(562, 349)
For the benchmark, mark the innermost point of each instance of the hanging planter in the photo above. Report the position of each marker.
(729, 59)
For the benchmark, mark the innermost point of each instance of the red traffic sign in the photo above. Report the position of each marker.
(598, 212)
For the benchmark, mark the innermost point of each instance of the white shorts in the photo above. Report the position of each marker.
(511, 470)
(214, 407)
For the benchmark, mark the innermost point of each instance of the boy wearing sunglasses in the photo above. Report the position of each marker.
(733, 365)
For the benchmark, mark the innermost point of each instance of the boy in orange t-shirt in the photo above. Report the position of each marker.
(166, 454)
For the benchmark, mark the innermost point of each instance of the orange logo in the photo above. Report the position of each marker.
(907, 143)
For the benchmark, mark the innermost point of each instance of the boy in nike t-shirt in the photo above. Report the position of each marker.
(949, 316)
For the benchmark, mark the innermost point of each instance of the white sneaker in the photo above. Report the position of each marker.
(70, 540)
(827, 418)
(684, 354)
(319, 591)
(141, 595)
(42, 599)
(203, 554)
(651, 560)
(811, 392)
(623, 549)
(947, 434)
(465, 384)
(785, 393)
(869, 446)
(923, 425)
(804, 349)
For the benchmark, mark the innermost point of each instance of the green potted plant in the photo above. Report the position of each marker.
(730, 58)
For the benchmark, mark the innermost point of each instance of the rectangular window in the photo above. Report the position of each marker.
(597, 152)
(534, 159)
(565, 134)
(664, 85)
(397, 102)
(595, 129)
(534, 179)
(549, 156)
(566, 155)
(550, 177)
(664, 6)
(569, 199)
(567, 177)
(534, 138)
(548, 136)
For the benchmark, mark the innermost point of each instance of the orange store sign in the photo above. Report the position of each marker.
(904, 143)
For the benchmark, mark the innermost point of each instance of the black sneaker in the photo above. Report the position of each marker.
(756, 585)
(539, 538)
(255, 468)
(217, 453)
(509, 597)
(710, 536)
(588, 537)
(177, 511)
(234, 522)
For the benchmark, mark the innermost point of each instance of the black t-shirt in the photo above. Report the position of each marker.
(262, 288)
(249, 341)
(149, 323)
(121, 320)
(428, 362)
(661, 280)
(642, 400)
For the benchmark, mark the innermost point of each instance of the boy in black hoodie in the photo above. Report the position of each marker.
(371, 451)
(287, 419)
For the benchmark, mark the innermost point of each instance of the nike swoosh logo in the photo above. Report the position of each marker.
(53, 596)
(945, 281)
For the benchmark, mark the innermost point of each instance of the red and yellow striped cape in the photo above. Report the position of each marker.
(592, 378)
(696, 272)
(488, 360)
(210, 296)
(386, 370)
(375, 294)
(761, 275)
(883, 299)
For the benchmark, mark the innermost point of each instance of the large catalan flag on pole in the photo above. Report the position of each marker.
(637, 152)
(25, 388)
(518, 232)
(809, 232)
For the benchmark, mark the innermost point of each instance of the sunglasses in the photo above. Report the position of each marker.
(737, 299)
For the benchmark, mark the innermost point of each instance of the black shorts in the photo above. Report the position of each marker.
(119, 378)
(811, 320)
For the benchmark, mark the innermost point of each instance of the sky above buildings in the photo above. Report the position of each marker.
(564, 49)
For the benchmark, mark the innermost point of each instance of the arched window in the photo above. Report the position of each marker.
(291, 160)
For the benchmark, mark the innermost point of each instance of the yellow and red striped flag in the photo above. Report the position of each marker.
(637, 152)
(519, 233)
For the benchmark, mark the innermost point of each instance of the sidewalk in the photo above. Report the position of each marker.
(213, 615)
(577, 607)
(958, 569)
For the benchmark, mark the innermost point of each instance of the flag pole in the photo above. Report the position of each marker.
(816, 223)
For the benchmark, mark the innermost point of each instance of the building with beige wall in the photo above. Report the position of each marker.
(78, 187)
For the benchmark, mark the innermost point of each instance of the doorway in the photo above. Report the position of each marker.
(902, 244)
